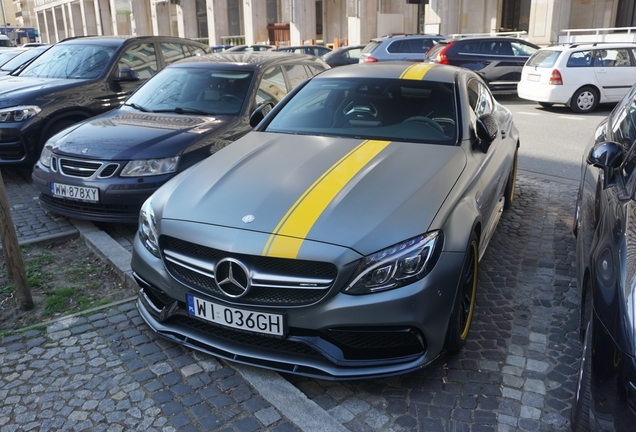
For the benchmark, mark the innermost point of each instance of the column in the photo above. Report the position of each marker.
(64, 21)
(113, 17)
(303, 23)
(98, 19)
(547, 18)
(153, 17)
(255, 21)
(57, 35)
(83, 15)
(180, 24)
(71, 27)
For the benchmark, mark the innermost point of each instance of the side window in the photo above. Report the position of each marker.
(140, 58)
(196, 51)
(495, 48)
(313, 69)
(296, 74)
(272, 86)
(469, 48)
(479, 98)
(352, 54)
(395, 47)
(612, 58)
(419, 45)
(580, 59)
(172, 52)
(521, 49)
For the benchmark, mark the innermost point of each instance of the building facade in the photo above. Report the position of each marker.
(322, 21)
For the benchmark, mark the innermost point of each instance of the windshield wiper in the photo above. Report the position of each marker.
(137, 107)
(179, 110)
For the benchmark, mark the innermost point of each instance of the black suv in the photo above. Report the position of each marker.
(498, 59)
(76, 79)
(104, 168)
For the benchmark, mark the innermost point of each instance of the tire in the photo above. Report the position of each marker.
(509, 192)
(546, 104)
(584, 100)
(462, 315)
(582, 396)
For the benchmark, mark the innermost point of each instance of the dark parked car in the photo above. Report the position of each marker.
(605, 397)
(340, 239)
(315, 50)
(22, 59)
(104, 168)
(399, 47)
(498, 59)
(76, 79)
(343, 55)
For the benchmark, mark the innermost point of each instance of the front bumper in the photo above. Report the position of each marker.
(338, 337)
(120, 198)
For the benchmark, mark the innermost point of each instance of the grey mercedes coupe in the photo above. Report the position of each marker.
(341, 238)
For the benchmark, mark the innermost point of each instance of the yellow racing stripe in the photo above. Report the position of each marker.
(416, 71)
(291, 231)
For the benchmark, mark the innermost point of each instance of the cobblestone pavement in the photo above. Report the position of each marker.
(107, 371)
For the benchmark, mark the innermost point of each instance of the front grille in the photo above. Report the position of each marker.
(108, 170)
(275, 281)
(377, 344)
(249, 339)
(77, 168)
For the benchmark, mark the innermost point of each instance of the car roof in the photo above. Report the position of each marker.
(397, 70)
(120, 40)
(248, 59)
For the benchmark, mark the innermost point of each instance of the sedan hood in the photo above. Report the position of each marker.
(125, 135)
(364, 195)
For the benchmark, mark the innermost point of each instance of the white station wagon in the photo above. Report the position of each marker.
(579, 75)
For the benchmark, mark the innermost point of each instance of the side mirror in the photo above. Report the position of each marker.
(486, 129)
(127, 74)
(607, 156)
(260, 112)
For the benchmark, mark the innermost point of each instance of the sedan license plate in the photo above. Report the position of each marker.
(534, 77)
(79, 193)
(258, 322)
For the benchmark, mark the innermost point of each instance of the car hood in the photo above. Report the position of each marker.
(15, 89)
(364, 195)
(124, 135)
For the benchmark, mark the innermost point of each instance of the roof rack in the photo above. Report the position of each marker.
(492, 33)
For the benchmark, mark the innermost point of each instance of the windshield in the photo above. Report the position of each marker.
(22, 58)
(193, 90)
(6, 56)
(385, 109)
(71, 61)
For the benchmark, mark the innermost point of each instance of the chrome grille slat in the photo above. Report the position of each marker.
(83, 169)
(298, 282)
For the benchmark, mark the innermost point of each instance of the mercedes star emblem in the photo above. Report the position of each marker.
(232, 277)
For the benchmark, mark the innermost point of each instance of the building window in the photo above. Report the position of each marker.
(625, 14)
(515, 15)
(202, 18)
(234, 16)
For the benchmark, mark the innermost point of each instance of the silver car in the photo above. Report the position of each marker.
(398, 48)
(340, 239)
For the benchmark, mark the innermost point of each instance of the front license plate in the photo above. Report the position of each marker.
(79, 193)
(258, 322)
(534, 77)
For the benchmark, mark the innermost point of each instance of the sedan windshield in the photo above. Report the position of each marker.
(70, 61)
(193, 90)
(372, 108)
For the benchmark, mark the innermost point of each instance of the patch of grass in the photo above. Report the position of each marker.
(34, 267)
(58, 300)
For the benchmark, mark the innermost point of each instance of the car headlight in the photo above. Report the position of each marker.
(45, 156)
(19, 113)
(148, 229)
(150, 167)
(398, 265)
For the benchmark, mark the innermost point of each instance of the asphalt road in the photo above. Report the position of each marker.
(553, 140)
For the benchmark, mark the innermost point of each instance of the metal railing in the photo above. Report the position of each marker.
(233, 40)
(607, 34)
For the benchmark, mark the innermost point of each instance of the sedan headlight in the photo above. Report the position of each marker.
(148, 229)
(45, 156)
(398, 265)
(150, 167)
(19, 113)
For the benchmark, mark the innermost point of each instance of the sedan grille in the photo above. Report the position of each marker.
(83, 169)
(275, 281)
